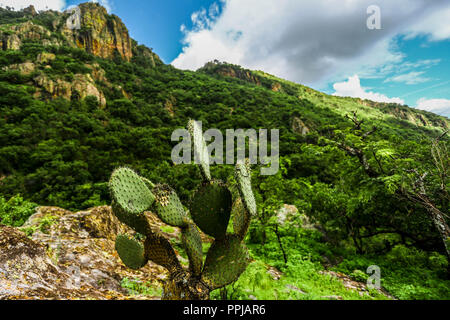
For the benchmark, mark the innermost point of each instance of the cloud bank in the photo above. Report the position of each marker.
(352, 88)
(440, 106)
(309, 41)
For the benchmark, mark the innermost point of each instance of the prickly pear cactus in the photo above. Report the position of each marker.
(131, 251)
(210, 211)
(211, 208)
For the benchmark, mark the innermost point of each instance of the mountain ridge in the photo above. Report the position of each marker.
(105, 35)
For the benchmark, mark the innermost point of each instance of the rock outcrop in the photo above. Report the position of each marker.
(26, 271)
(289, 214)
(299, 127)
(70, 256)
(82, 84)
(229, 70)
(14, 36)
(100, 34)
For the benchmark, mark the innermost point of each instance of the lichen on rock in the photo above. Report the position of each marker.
(71, 258)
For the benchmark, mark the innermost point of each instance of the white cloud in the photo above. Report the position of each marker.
(308, 41)
(439, 106)
(352, 88)
(38, 4)
(414, 77)
(436, 26)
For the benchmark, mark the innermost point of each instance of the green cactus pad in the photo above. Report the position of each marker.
(150, 185)
(192, 242)
(241, 218)
(225, 262)
(138, 222)
(200, 149)
(211, 208)
(129, 191)
(243, 178)
(168, 207)
(159, 250)
(131, 252)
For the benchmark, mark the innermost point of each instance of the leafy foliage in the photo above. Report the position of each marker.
(356, 187)
(15, 211)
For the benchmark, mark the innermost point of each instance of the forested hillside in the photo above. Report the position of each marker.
(369, 181)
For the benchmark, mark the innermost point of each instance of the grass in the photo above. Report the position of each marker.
(136, 287)
(406, 273)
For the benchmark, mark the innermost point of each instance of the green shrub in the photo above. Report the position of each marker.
(15, 211)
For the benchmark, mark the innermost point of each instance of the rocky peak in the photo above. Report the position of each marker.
(100, 33)
(30, 10)
(229, 70)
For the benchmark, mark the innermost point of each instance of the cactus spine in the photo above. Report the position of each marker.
(210, 211)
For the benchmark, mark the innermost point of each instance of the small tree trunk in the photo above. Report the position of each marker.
(281, 244)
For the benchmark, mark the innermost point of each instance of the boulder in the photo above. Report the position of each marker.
(70, 256)
(289, 213)
(299, 127)
(26, 271)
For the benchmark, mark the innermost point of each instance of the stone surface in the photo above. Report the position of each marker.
(70, 256)
(26, 271)
(299, 127)
(290, 214)
(101, 34)
(25, 68)
(83, 84)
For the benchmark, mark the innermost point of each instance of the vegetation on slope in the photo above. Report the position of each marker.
(356, 175)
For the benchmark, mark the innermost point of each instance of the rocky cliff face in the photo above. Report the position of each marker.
(100, 34)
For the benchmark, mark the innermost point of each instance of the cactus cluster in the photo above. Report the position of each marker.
(210, 211)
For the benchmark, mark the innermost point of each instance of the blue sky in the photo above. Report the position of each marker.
(325, 44)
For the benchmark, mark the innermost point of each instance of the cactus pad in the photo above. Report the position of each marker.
(131, 252)
(225, 262)
(200, 149)
(138, 222)
(243, 178)
(148, 183)
(168, 207)
(192, 242)
(211, 208)
(241, 218)
(159, 250)
(129, 191)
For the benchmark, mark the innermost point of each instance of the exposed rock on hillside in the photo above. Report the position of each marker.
(13, 37)
(83, 84)
(26, 271)
(419, 118)
(228, 70)
(299, 127)
(25, 68)
(290, 214)
(69, 256)
(101, 34)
